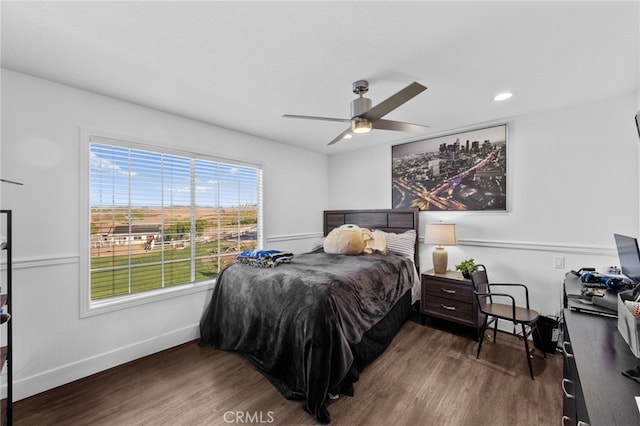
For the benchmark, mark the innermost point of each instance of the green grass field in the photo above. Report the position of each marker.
(115, 273)
(110, 274)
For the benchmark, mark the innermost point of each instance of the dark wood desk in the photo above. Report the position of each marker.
(604, 396)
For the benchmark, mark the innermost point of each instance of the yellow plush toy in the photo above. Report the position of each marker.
(347, 239)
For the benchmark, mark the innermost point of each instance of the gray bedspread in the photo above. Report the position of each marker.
(296, 322)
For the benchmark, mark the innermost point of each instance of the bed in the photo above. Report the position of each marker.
(311, 326)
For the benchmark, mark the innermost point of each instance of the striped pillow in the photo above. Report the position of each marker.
(403, 244)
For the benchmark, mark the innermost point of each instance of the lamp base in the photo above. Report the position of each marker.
(440, 259)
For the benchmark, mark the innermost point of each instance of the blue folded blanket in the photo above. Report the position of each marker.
(264, 258)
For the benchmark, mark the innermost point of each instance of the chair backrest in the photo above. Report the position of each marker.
(480, 281)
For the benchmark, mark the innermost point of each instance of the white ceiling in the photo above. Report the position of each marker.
(241, 65)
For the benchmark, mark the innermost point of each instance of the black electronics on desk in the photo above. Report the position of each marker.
(575, 300)
(578, 300)
(629, 256)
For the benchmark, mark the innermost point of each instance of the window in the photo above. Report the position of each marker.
(161, 219)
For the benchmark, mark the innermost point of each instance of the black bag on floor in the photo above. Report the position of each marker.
(547, 340)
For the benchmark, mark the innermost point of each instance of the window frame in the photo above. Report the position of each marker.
(90, 307)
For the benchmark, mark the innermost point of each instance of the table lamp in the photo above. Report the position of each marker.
(440, 234)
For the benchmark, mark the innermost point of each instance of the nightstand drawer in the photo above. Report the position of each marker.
(449, 290)
(449, 308)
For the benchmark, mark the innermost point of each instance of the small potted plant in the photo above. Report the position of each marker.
(466, 267)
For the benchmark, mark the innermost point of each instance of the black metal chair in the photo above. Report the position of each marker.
(503, 311)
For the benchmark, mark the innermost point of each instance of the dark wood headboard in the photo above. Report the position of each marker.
(388, 220)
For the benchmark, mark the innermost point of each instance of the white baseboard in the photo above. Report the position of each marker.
(50, 379)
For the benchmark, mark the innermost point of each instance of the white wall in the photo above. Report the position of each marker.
(638, 106)
(572, 182)
(40, 147)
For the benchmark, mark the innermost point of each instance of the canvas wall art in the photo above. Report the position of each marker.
(461, 171)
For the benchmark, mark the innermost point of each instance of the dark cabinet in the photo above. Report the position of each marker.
(5, 318)
(595, 355)
(449, 296)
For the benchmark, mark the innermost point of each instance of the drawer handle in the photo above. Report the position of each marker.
(448, 291)
(564, 389)
(566, 344)
(580, 422)
(448, 308)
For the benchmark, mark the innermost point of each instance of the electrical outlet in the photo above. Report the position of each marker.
(558, 262)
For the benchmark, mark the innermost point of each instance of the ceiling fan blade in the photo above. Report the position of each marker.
(398, 125)
(309, 117)
(394, 101)
(340, 136)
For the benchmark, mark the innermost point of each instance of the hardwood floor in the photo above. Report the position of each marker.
(427, 376)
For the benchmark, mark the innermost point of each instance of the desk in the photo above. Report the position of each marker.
(604, 396)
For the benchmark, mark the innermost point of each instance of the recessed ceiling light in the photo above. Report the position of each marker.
(347, 136)
(502, 96)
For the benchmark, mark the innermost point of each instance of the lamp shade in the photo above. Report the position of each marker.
(440, 234)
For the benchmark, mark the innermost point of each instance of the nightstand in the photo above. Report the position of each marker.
(450, 296)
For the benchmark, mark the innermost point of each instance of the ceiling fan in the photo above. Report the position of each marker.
(364, 117)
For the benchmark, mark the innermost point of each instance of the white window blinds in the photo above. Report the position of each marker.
(161, 219)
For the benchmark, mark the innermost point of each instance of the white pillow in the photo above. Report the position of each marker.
(378, 244)
(403, 244)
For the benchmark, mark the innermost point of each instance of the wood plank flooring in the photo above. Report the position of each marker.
(427, 376)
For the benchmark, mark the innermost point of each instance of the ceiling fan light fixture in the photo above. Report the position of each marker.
(361, 126)
(364, 116)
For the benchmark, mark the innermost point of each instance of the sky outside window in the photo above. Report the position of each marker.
(123, 176)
